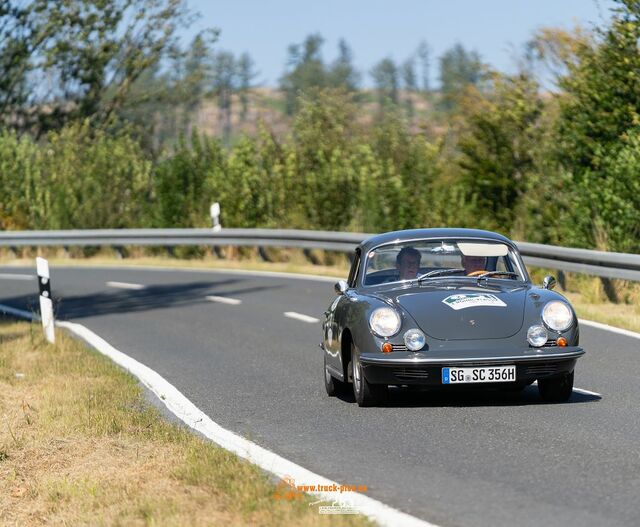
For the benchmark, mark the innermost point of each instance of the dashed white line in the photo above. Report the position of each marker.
(125, 285)
(300, 316)
(224, 300)
(11, 276)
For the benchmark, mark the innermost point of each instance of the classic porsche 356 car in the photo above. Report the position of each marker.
(443, 308)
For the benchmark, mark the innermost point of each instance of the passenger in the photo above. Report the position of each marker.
(408, 263)
(474, 264)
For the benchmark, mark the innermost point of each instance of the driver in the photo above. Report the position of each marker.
(472, 264)
(408, 263)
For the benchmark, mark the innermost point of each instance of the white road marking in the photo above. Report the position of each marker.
(577, 390)
(587, 392)
(185, 410)
(224, 300)
(10, 276)
(300, 316)
(125, 285)
(607, 327)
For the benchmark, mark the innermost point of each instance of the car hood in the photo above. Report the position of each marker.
(464, 311)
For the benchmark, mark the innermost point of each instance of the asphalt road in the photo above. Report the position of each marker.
(468, 459)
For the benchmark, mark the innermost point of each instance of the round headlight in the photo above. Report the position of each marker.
(384, 322)
(537, 336)
(557, 315)
(414, 339)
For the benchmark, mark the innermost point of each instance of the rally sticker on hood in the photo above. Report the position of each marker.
(473, 300)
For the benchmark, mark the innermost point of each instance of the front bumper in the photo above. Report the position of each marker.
(426, 368)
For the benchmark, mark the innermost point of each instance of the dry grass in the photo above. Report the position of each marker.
(79, 445)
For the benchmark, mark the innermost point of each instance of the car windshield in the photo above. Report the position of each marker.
(441, 259)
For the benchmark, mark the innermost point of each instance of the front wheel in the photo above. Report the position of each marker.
(331, 384)
(366, 394)
(556, 390)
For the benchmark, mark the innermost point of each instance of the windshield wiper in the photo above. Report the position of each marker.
(439, 272)
(489, 274)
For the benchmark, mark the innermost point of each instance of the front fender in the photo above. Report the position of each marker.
(355, 319)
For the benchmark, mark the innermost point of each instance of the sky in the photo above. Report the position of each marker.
(375, 29)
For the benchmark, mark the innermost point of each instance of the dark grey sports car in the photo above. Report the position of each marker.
(443, 308)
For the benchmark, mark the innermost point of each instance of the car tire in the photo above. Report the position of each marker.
(333, 386)
(366, 394)
(556, 390)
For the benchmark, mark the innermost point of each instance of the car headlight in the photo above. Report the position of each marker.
(414, 339)
(557, 315)
(384, 322)
(537, 336)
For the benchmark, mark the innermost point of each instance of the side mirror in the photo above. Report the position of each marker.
(549, 282)
(340, 287)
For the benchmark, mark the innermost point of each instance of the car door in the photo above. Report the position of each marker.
(335, 314)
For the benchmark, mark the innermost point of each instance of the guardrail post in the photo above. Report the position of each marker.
(46, 304)
(562, 280)
(609, 289)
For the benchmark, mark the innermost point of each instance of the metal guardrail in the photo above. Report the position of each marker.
(597, 263)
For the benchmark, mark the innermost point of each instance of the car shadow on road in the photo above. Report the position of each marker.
(408, 398)
(159, 296)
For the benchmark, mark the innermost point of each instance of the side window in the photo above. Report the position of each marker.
(353, 273)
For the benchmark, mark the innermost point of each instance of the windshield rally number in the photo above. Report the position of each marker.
(470, 375)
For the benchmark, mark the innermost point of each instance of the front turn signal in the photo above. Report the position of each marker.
(387, 347)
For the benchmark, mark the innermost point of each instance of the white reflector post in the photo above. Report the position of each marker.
(46, 305)
(215, 216)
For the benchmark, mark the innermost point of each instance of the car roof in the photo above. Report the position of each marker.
(415, 234)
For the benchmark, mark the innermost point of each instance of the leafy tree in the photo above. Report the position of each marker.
(459, 68)
(342, 73)
(424, 60)
(497, 147)
(66, 61)
(186, 184)
(246, 75)
(385, 78)
(326, 179)
(602, 91)
(20, 178)
(596, 129)
(20, 36)
(558, 49)
(224, 74)
(409, 82)
(194, 81)
(305, 69)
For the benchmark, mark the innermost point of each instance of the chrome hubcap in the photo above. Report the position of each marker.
(356, 374)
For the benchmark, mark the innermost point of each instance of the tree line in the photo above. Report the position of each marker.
(497, 151)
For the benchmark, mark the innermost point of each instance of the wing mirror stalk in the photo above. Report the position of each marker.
(340, 287)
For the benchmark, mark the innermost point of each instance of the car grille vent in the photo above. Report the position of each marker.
(399, 347)
(542, 369)
(409, 374)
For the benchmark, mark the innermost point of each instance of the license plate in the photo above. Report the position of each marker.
(484, 374)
